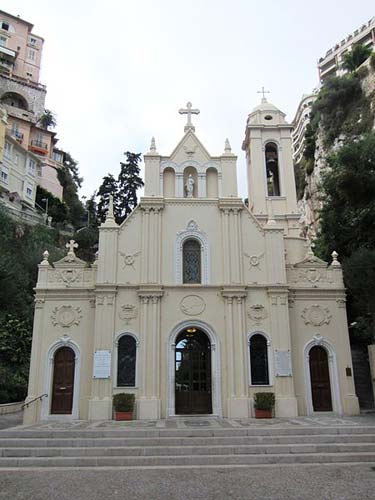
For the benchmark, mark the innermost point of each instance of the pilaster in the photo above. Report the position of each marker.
(100, 403)
(237, 403)
(149, 406)
(286, 402)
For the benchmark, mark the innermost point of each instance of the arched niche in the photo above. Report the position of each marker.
(193, 172)
(271, 154)
(212, 183)
(15, 100)
(169, 182)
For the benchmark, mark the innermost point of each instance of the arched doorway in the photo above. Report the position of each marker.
(193, 394)
(63, 381)
(320, 379)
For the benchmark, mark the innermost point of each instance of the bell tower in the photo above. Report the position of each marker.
(270, 171)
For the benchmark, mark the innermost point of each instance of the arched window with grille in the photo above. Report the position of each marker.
(191, 261)
(259, 371)
(126, 361)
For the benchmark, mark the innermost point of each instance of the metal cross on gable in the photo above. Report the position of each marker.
(189, 111)
(263, 92)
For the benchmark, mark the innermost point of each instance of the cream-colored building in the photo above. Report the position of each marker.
(196, 302)
(331, 63)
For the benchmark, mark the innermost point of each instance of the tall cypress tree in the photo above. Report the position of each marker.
(108, 187)
(129, 181)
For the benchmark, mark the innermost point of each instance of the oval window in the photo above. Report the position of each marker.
(268, 117)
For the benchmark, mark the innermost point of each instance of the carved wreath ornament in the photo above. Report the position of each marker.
(316, 315)
(66, 316)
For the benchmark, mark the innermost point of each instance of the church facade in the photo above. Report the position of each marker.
(197, 301)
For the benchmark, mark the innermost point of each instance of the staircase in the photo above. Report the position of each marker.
(186, 448)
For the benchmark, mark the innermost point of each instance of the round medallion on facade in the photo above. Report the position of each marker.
(192, 305)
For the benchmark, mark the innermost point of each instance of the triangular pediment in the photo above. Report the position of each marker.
(190, 148)
(311, 260)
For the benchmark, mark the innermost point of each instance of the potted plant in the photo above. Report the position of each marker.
(123, 405)
(264, 403)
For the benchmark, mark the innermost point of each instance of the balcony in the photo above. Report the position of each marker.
(17, 135)
(39, 147)
(12, 54)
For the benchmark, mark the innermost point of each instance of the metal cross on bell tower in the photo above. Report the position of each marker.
(189, 111)
(263, 92)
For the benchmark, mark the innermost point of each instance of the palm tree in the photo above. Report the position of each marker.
(357, 56)
(47, 119)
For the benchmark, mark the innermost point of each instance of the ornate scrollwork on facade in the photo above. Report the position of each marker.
(316, 315)
(128, 312)
(257, 313)
(192, 305)
(68, 276)
(129, 259)
(66, 316)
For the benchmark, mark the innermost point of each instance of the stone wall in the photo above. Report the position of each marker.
(35, 95)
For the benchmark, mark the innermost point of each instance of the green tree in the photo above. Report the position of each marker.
(359, 273)
(70, 181)
(15, 347)
(129, 182)
(348, 213)
(357, 56)
(47, 119)
(21, 249)
(108, 187)
(57, 209)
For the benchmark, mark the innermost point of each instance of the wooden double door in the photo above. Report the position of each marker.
(193, 373)
(320, 379)
(63, 381)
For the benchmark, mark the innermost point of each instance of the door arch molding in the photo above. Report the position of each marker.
(215, 365)
(48, 380)
(320, 341)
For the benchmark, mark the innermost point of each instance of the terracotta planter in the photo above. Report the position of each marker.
(263, 413)
(123, 415)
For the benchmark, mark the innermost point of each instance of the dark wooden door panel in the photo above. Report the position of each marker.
(63, 381)
(193, 374)
(320, 381)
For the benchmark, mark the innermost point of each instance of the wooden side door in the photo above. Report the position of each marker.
(320, 381)
(63, 381)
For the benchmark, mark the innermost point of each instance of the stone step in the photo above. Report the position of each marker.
(187, 460)
(128, 432)
(138, 451)
(25, 442)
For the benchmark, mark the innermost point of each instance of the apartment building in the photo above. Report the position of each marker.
(300, 122)
(331, 63)
(23, 98)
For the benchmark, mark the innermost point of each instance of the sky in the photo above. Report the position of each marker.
(118, 71)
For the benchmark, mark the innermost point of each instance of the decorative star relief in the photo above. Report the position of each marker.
(129, 259)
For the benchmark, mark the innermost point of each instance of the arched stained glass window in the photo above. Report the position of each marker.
(259, 360)
(191, 261)
(126, 360)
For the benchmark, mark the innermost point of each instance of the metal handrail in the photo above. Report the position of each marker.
(26, 405)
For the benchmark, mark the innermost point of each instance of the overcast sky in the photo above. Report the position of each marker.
(118, 71)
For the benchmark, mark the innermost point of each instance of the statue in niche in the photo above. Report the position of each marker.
(189, 185)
